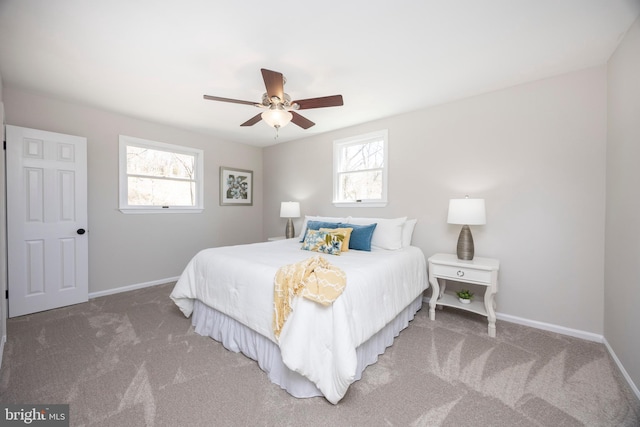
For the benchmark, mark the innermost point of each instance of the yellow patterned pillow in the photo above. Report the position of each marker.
(345, 232)
(321, 241)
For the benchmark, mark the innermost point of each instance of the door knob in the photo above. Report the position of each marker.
(81, 231)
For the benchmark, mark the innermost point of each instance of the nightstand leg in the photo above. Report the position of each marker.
(489, 304)
(492, 329)
(435, 294)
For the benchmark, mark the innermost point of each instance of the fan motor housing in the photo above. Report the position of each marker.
(266, 101)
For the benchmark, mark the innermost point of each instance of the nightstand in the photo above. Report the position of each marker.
(273, 239)
(479, 271)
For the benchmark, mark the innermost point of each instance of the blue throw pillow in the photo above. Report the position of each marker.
(360, 236)
(317, 225)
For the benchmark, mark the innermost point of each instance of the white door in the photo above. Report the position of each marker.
(46, 220)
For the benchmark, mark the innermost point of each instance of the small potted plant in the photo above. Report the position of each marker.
(464, 296)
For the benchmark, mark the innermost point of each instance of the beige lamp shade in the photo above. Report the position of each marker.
(289, 210)
(467, 212)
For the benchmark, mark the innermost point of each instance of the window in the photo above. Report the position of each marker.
(360, 170)
(158, 177)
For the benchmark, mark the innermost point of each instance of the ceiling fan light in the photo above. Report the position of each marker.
(277, 118)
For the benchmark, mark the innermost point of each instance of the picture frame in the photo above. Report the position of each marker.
(236, 187)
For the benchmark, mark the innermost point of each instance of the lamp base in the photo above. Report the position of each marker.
(289, 232)
(465, 248)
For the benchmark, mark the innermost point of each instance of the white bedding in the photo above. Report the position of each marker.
(318, 342)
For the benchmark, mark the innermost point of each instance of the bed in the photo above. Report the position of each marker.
(321, 350)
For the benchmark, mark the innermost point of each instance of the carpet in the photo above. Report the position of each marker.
(132, 359)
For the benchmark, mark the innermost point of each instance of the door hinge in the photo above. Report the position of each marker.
(6, 294)
(4, 145)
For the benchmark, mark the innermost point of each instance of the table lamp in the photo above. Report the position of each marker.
(466, 212)
(289, 210)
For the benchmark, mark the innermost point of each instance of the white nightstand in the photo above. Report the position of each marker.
(479, 271)
(273, 239)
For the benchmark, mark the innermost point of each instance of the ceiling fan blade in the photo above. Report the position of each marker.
(303, 122)
(253, 120)
(274, 82)
(235, 101)
(325, 101)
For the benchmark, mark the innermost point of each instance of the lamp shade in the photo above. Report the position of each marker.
(277, 118)
(467, 212)
(289, 210)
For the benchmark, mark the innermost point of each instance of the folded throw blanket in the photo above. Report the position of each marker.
(313, 278)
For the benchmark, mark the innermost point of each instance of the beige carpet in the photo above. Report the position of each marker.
(132, 359)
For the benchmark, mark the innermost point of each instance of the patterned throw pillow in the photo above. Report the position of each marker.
(346, 234)
(321, 241)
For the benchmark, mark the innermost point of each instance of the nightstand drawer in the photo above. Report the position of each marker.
(461, 273)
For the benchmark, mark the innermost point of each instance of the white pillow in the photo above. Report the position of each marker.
(388, 232)
(407, 232)
(308, 218)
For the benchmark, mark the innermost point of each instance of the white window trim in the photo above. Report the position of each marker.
(123, 191)
(359, 139)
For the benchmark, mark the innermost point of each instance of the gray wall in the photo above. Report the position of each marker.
(622, 272)
(535, 152)
(127, 250)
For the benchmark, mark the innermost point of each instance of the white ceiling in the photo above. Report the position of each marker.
(154, 59)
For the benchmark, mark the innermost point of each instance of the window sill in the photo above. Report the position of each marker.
(359, 204)
(160, 210)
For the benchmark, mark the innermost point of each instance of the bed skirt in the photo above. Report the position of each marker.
(237, 337)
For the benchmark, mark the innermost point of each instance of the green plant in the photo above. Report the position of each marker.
(464, 294)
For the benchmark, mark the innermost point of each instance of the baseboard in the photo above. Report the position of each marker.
(624, 372)
(132, 287)
(589, 336)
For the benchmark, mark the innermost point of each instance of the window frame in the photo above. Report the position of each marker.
(338, 145)
(123, 190)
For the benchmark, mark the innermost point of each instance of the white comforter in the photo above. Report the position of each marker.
(318, 342)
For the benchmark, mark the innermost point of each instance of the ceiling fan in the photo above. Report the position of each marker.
(278, 108)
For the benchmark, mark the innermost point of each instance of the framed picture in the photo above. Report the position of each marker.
(236, 187)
